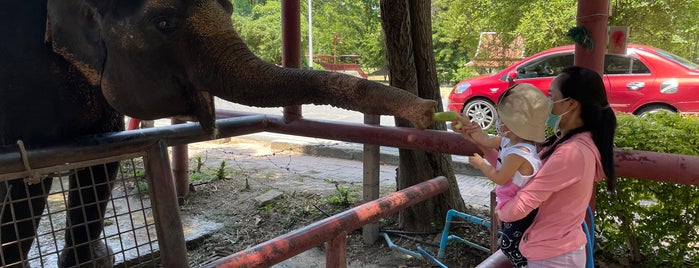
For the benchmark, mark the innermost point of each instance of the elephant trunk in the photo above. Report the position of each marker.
(232, 72)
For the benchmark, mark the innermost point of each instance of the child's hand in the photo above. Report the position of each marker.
(476, 160)
(461, 124)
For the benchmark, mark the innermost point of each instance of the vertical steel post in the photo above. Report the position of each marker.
(371, 174)
(336, 252)
(168, 223)
(180, 168)
(291, 47)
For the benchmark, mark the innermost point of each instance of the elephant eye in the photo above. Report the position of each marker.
(164, 25)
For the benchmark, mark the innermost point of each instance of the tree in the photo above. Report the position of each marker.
(261, 30)
(666, 24)
(410, 59)
(358, 25)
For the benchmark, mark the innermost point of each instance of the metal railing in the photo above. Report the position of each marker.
(333, 229)
(152, 145)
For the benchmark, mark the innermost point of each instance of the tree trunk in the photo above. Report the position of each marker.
(408, 30)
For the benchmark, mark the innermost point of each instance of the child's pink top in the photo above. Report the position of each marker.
(561, 190)
(508, 190)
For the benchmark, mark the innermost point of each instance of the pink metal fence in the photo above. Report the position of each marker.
(333, 229)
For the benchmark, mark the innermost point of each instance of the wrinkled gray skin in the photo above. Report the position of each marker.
(156, 59)
(71, 67)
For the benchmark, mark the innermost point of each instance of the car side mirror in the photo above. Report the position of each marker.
(511, 76)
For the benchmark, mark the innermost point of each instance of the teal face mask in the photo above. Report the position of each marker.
(554, 119)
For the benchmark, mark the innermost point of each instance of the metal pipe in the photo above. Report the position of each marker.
(495, 260)
(180, 167)
(300, 240)
(336, 251)
(168, 224)
(400, 137)
(291, 47)
(393, 246)
(677, 168)
(117, 143)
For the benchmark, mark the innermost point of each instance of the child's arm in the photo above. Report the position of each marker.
(472, 132)
(510, 165)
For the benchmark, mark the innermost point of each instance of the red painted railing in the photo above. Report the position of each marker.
(333, 229)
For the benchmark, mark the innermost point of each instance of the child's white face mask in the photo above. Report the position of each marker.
(498, 127)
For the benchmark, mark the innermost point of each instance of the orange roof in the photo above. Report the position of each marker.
(493, 51)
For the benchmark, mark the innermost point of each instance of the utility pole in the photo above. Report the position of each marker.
(310, 34)
(336, 39)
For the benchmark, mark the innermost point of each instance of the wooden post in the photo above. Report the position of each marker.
(168, 224)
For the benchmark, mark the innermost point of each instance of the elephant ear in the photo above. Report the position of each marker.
(73, 31)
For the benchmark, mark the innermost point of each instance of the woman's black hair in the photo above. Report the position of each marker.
(586, 87)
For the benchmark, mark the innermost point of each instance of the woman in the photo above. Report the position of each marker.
(579, 153)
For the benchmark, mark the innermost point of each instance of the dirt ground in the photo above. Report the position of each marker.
(303, 198)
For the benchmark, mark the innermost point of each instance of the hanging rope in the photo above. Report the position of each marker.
(32, 177)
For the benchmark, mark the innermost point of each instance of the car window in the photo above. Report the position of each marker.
(619, 64)
(545, 67)
(679, 60)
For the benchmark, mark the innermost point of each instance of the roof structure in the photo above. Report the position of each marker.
(496, 51)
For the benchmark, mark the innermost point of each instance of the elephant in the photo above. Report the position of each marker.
(71, 68)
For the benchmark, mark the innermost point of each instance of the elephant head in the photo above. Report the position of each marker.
(161, 58)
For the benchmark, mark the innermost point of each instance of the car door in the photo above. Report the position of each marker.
(628, 80)
(541, 71)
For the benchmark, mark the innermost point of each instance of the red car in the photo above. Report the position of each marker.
(646, 79)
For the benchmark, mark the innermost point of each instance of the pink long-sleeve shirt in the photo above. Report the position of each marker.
(561, 190)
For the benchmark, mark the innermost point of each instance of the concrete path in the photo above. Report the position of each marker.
(338, 160)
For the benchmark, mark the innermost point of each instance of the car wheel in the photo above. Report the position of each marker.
(654, 108)
(481, 111)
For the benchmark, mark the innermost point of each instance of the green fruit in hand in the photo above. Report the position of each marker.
(446, 116)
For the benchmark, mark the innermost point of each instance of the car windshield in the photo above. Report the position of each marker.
(679, 60)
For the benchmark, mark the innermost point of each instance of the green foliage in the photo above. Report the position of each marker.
(651, 223)
(343, 195)
(261, 30)
(666, 24)
(221, 172)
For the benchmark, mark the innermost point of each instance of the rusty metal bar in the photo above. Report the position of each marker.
(496, 260)
(291, 47)
(336, 252)
(683, 169)
(168, 224)
(125, 142)
(180, 167)
(674, 168)
(400, 137)
(300, 240)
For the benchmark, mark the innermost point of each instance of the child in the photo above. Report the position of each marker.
(522, 112)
